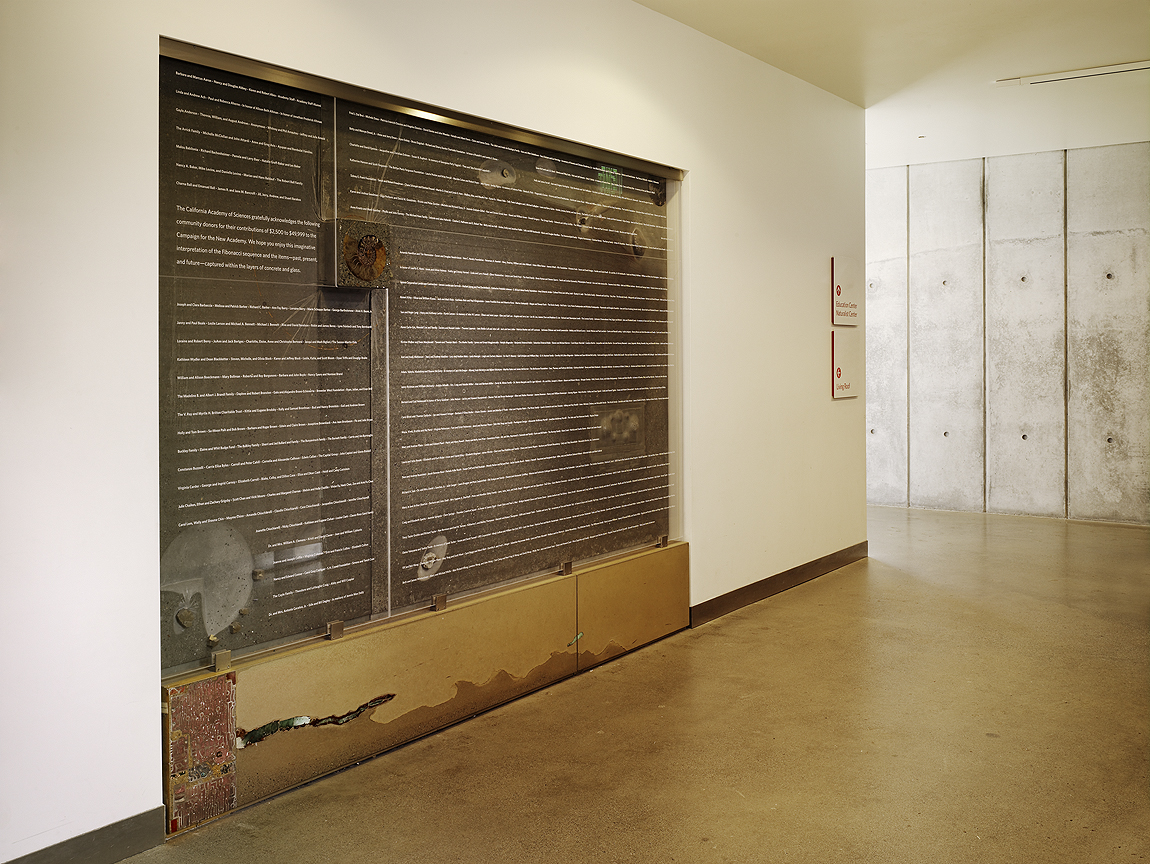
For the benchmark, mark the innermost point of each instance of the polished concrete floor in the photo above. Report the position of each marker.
(978, 690)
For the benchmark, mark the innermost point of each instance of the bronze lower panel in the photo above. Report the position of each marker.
(630, 602)
(416, 676)
(300, 755)
(318, 708)
(719, 606)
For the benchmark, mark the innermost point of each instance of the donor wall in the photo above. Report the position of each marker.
(400, 358)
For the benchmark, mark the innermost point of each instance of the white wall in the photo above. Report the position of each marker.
(774, 468)
(959, 113)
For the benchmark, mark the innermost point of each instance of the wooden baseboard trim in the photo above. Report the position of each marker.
(717, 607)
(105, 845)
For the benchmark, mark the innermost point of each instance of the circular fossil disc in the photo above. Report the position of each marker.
(365, 256)
(432, 558)
(215, 562)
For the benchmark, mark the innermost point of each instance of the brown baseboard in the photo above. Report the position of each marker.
(719, 606)
(105, 845)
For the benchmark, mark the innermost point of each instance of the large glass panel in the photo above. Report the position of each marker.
(399, 359)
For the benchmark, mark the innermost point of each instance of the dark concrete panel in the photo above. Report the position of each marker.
(241, 176)
(266, 463)
(527, 350)
(508, 368)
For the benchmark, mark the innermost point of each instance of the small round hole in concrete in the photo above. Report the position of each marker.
(1109, 440)
(1109, 275)
(943, 281)
(945, 434)
(1023, 437)
(871, 431)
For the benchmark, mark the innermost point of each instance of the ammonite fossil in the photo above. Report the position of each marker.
(365, 256)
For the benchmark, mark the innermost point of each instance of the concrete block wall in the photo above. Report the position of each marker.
(1008, 305)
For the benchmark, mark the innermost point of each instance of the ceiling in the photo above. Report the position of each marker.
(867, 50)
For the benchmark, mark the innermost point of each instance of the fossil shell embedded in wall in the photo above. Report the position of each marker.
(365, 256)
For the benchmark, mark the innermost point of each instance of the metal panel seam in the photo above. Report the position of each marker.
(1065, 341)
(985, 349)
(906, 358)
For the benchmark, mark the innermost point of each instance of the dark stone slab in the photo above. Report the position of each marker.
(414, 173)
(528, 335)
(491, 370)
(267, 486)
(508, 358)
(244, 182)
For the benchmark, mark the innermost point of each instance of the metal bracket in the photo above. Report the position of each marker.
(662, 541)
(439, 602)
(568, 566)
(334, 630)
(221, 660)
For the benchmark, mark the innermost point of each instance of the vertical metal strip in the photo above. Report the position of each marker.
(387, 431)
(906, 268)
(1066, 332)
(985, 351)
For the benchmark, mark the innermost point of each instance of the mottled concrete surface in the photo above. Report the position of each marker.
(976, 691)
(1025, 335)
(1108, 311)
(1045, 409)
(946, 368)
(886, 336)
